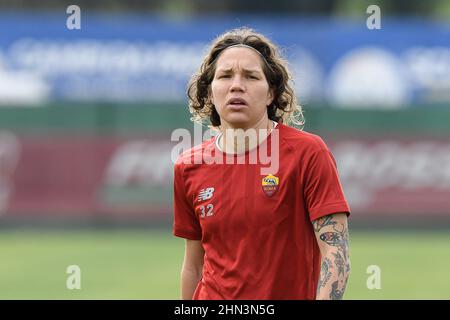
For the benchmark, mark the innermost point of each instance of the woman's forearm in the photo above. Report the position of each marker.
(335, 269)
(333, 240)
(189, 282)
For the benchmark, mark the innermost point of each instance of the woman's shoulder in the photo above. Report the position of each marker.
(192, 155)
(305, 140)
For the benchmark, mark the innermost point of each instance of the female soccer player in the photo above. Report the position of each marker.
(250, 234)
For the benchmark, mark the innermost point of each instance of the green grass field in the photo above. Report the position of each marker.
(146, 265)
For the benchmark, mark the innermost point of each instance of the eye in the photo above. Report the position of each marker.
(253, 77)
(224, 76)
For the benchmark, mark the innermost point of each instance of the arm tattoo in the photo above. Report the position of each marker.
(325, 273)
(323, 222)
(336, 238)
(335, 293)
(339, 261)
(331, 238)
(336, 265)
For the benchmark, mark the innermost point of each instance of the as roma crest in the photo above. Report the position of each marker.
(270, 184)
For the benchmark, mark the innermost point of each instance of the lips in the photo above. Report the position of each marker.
(236, 103)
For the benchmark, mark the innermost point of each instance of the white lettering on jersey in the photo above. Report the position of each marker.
(205, 194)
(209, 207)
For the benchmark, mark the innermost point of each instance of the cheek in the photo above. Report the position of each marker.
(214, 90)
(218, 93)
(264, 95)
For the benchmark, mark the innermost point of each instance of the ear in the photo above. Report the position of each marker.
(270, 96)
(210, 96)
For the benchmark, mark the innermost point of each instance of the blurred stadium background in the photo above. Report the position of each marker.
(86, 118)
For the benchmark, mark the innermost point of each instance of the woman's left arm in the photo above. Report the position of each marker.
(332, 237)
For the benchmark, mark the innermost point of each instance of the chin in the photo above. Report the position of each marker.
(238, 120)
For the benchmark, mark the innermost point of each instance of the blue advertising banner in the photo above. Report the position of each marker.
(135, 58)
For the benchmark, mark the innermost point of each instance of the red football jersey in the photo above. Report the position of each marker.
(256, 228)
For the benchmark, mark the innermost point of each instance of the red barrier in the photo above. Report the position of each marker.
(85, 176)
(395, 176)
(130, 178)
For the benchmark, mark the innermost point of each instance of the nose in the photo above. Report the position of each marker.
(237, 84)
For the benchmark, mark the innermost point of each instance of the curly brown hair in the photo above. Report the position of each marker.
(284, 106)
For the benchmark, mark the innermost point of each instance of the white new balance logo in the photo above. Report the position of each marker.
(205, 194)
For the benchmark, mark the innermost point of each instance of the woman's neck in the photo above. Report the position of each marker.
(238, 140)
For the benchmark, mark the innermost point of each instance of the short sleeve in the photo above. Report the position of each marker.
(186, 224)
(323, 190)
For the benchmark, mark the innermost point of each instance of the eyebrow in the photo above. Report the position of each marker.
(230, 70)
